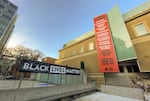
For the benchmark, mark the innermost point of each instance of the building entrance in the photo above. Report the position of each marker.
(129, 66)
(129, 70)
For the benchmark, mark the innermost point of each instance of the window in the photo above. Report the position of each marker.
(140, 29)
(1, 31)
(68, 54)
(8, 14)
(2, 25)
(129, 68)
(1, 7)
(82, 65)
(63, 55)
(121, 69)
(4, 20)
(6, 2)
(11, 12)
(1, 13)
(82, 49)
(45, 59)
(12, 7)
(6, 17)
(91, 46)
(133, 68)
(74, 52)
(1, 35)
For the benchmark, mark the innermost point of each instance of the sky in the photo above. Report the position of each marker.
(47, 25)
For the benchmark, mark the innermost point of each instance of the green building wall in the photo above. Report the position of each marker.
(122, 42)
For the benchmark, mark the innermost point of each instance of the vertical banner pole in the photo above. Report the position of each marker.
(20, 82)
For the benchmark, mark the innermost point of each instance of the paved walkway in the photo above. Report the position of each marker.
(105, 97)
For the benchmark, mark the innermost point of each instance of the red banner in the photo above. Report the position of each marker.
(106, 53)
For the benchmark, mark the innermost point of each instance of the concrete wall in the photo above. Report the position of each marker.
(26, 94)
(126, 79)
(123, 91)
(118, 79)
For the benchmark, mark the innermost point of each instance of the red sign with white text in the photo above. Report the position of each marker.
(106, 53)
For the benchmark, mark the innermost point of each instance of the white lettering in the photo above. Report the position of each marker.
(44, 68)
(36, 68)
(57, 69)
(26, 65)
(72, 71)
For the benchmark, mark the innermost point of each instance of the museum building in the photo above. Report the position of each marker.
(130, 40)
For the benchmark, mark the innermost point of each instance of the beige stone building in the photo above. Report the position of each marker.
(81, 52)
(138, 25)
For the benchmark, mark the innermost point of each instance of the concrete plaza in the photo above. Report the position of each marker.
(105, 97)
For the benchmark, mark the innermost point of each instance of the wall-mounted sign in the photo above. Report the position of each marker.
(106, 53)
(41, 67)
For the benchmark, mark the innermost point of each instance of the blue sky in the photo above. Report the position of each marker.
(48, 24)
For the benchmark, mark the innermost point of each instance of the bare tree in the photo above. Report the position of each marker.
(20, 52)
(23, 52)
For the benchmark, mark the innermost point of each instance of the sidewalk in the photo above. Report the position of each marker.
(105, 97)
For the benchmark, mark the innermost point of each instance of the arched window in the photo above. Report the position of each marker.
(82, 65)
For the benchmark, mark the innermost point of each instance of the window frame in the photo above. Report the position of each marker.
(145, 26)
(82, 49)
(91, 44)
(74, 51)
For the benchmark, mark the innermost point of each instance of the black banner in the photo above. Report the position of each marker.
(41, 67)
